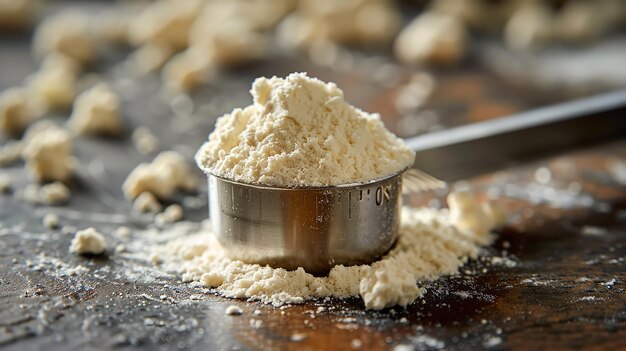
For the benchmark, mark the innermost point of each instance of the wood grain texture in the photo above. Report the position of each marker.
(560, 288)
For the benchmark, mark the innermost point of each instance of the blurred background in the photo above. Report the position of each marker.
(423, 65)
(175, 66)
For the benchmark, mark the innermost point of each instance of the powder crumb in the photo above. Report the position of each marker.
(120, 248)
(429, 246)
(123, 233)
(356, 343)
(149, 57)
(403, 348)
(173, 213)
(610, 284)
(88, 241)
(67, 32)
(359, 22)
(145, 142)
(168, 172)
(298, 337)
(51, 221)
(492, 341)
(5, 183)
(53, 89)
(146, 202)
(187, 70)
(470, 215)
(54, 193)
(300, 131)
(48, 152)
(16, 112)
(428, 342)
(503, 261)
(96, 111)
(590, 298)
(432, 37)
(10, 152)
(164, 22)
(589, 230)
(233, 310)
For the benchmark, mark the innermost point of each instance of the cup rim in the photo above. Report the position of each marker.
(317, 188)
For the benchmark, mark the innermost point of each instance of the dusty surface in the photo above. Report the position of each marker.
(560, 284)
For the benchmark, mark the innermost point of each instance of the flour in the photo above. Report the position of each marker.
(48, 152)
(432, 38)
(51, 221)
(96, 111)
(168, 172)
(16, 112)
(301, 132)
(360, 22)
(68, 32)
(172, 213)
(429, 246)
(145, 142)
(53, 89)
(88, 241)
(165, 22)
(54, 193)
(233, 310)
(146, 202)
(187, 70)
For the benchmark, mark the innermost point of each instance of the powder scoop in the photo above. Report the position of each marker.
(314, 228)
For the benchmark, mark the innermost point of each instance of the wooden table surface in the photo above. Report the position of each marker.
(556, 282)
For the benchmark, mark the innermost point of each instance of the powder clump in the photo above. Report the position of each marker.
(88, 241)
(300, 131)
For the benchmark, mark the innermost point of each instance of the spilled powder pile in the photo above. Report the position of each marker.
(430, 245)
(301, 132)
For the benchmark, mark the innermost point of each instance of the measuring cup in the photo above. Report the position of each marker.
(314, 228)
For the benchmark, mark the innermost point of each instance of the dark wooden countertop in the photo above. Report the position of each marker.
(561, 286)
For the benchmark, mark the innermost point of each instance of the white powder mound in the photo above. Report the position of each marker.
(429, 246)
(88, 241)
(301, 132)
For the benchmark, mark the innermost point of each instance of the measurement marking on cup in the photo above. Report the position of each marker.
(349, 205)
(232, 197)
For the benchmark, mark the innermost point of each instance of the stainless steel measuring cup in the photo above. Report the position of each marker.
(311, 227)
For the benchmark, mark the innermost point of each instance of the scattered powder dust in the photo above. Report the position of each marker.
(301, 132)
(429, 246)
